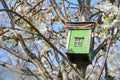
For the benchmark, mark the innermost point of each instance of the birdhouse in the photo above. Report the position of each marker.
(80, 41)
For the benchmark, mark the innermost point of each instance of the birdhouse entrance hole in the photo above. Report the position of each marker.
(78, 41)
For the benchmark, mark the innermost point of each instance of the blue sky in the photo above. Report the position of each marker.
(76, 1)
(94, 1)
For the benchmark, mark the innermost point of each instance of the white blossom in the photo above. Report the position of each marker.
(41, 27)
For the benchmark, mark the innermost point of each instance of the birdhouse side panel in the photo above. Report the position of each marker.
(68, 39)
(91, 56)
(79, 41)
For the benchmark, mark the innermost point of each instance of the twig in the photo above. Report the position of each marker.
(18, 70)
(9, 14)
(106, 54)
(58, 11)
(34, 58)
(4, 64)
(47, 61)
(35, 6)
(66, 13)
(33, 73)
(14, 53)
(41, 35)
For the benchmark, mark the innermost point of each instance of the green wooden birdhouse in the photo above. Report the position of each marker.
(80, 41)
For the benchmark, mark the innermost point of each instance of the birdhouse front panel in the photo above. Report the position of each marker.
(79, 41)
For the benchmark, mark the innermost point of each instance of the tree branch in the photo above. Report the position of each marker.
(58, 51)
(106, 55)
(9, 14)
(102, 45)
(18, 70)
(4, 64)
(63, 71)
(58, 11)
(34, 58)
(96, 12)
(66, 13)
(80, 7)
(14, 53)
(35, 6)
(33, 74)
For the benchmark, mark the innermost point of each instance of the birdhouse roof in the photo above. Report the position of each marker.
(79, 25)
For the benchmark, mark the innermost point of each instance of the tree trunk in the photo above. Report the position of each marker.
(84, 7)
(84, 10)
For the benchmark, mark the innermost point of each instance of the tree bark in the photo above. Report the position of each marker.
(63, 71)
(9, 14)
(58, 11)
(84, 13)
(84, 9)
